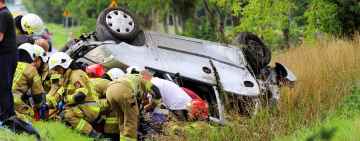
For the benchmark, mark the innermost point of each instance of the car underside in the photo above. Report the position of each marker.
(212, 70)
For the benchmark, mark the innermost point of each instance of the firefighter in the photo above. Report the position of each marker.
(107, 115)
(100, 85)
(31, 24)
(26, 26)
(96, 72)
(101, 80)
(126, 96)
(44, 70)
(75, 90)
(27, 82)
(110, 122)
(174, 97)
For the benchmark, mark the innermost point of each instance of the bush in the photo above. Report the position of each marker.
(201, 31)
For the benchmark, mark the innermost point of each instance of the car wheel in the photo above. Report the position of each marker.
(116, 24)
(255, 51)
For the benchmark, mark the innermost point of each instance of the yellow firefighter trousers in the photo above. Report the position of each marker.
(80, 117)
(122, 100)
(23, 111)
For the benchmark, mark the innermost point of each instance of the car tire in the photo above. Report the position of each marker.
(116, 24)
(255, 51)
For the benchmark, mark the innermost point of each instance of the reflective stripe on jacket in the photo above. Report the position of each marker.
(26, 77)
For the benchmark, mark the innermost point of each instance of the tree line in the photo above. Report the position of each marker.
(281, 23)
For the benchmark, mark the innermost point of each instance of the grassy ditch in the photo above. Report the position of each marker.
(342, 125)
(326, 73)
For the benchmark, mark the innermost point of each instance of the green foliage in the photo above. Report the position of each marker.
(202, 31)
(321, 17)
(86, 12)
(148, 12)
(349, 16)
(278, 22)
(231, 6)
(351, 105)
(336, 129)
(61, 35)
(49, 10)
(268, 18)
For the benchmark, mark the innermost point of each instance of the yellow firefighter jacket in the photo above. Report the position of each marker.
(26, 77)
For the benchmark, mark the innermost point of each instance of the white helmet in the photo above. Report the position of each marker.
(134, 69)
(32, 24)
(39, 51)
(29, 48)
(60, 59)
(115, 73)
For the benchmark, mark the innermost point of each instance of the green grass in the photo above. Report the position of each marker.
(335, 129)
(50, 131)
(6, 135)
(343, 125)
(61, 35)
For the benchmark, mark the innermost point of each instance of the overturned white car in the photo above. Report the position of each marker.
(212, 70)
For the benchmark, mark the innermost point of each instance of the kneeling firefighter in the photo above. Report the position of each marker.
(127, 95)
(27, 86)
(100, 81)
(26, 78)
(76, 92)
